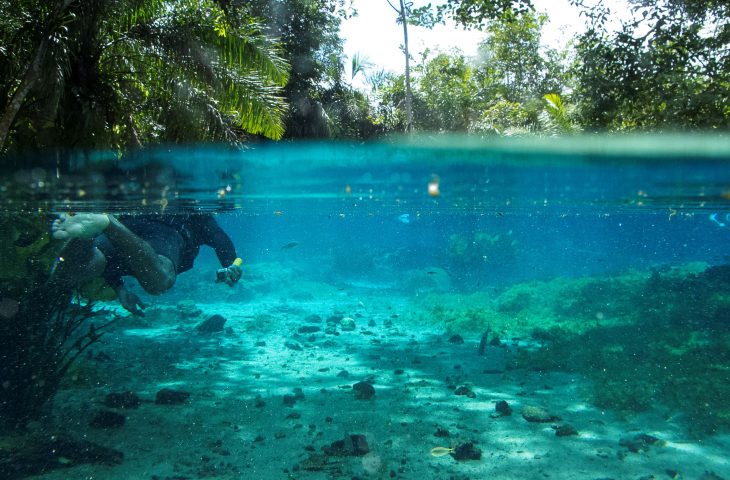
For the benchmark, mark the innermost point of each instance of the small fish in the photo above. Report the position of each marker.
(431, 272)
(441, 451)
(289, 245)
(405, 218)
(278, 213)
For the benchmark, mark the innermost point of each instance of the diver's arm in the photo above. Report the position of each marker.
(214, 236)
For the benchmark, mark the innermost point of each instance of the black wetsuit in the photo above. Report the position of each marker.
(177, 237)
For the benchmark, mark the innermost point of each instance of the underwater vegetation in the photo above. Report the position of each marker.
(642, 340)
(480, 255)
(42, 332)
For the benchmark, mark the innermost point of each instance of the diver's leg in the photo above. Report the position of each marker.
(155, 273)
(78, 262)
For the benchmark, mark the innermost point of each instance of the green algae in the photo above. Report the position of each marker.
(658, 339)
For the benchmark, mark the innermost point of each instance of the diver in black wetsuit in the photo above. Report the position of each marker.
(152, 248)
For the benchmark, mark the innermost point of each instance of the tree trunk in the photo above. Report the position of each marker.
(32, 74)
(30, 77)
(409, 97)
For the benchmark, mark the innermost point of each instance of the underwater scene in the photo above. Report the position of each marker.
(437, 308)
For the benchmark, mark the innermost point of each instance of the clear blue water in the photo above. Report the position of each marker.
(609, 241)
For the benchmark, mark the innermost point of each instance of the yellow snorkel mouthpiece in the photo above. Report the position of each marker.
(238, 262)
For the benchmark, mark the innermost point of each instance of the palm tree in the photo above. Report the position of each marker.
(129, 72)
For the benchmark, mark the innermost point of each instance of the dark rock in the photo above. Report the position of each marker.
(294, 416)
(640, 442)
(168, 396)
(538, 415)
(347, 324)
(293, 346)
(260, 343)
(308, 329)
(122, 400)
(398, 371)
(334, 319)
(464, 390)
(363, 391)
(372, 323)
(343, 374)
(503, 409)
(291, 399)
(352, 446)
(456, 339)
(466, 451)
(213, 324)
(107, 419)
(565, 430)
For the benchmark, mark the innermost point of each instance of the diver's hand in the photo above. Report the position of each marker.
(130, 301)
(230, 275)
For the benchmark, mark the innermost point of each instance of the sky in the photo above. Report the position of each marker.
(376, 37)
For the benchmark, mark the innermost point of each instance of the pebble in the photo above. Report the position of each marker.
(502, 409)
(466, 451)
(538, 415)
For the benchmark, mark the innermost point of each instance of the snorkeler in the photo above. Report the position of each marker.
(152, 248)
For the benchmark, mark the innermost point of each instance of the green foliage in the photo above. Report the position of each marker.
(125, 73)
(469, 13)
(501, 93)
(446, 88)
(502, 117)
(669, 68)
(321, 103)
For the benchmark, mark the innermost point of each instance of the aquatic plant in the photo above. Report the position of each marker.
(479, 256)
(41, 341)
(670, 349)
(641, 340)
(42, 332)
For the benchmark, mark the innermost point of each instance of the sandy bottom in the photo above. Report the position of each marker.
(236, 425)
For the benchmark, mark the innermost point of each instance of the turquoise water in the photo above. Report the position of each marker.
(585, 277)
